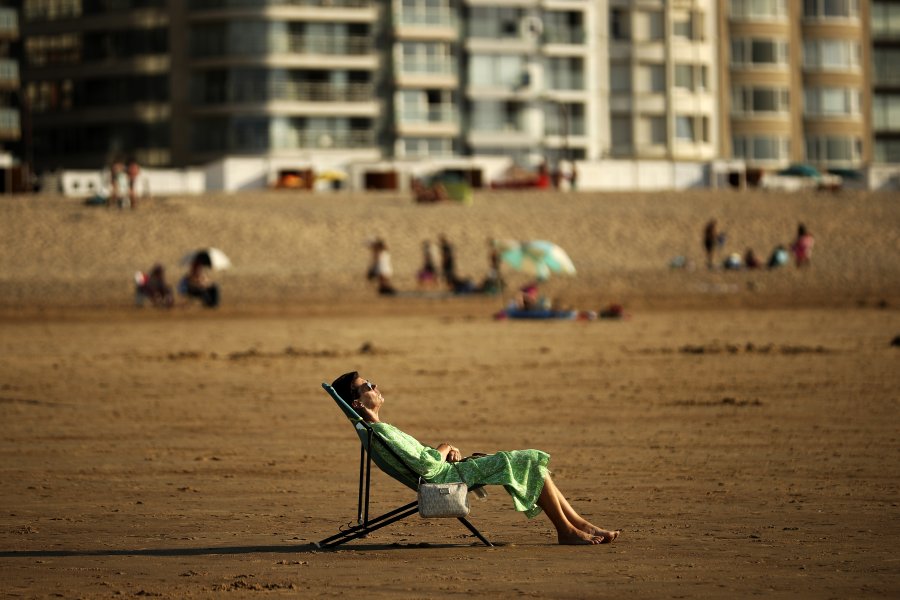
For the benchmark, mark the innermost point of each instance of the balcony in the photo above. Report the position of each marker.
(443, 114)
(220, 4)
(288, 91)
(567, 36)
(427, 66)
(435, 120)
(326, 138)
(426, 17)
(321, 44)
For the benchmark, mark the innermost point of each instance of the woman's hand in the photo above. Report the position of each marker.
(450, 453)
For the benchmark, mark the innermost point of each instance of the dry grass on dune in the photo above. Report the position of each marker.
(292, 249)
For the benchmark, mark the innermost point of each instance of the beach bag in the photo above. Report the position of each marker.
(443, 500)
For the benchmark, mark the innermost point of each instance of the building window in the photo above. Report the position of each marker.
(884, 62)
(832, 102)
(620, 77)
(833, 149)
(887, 151)
(497, 70)
(831, 55)
(649, 26)
(691, 77)
(432, 58)
(496, 22)
(652, 131)
(49, 50)
(423, 147)
(759, 52)
(620, 130)
(493, 115)
(886, 112)
(620, 24)
(688, 26)
(565, 73)
(426, 106)
(759, 9)
(831, 9)
(564, 27)
(885, 19)
(750, 100)
(564, 119)
(692, 128)
(761, 148)
(651, 78)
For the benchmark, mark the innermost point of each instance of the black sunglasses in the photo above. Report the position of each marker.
(356, 393)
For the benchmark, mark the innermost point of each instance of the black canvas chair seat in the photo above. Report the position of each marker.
(365, 525)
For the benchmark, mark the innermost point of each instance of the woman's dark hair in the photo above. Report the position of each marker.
(342, 385)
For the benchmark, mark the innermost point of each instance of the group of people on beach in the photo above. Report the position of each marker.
(197, 284)
(801, 248)
(123, 183)
(438, 269)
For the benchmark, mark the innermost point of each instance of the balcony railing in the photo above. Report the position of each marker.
(426, 66)
(322, 44)
(429, 17)
(213, 4)
(67, 9)
(292, 91)
(325, 138)
(433, 115)
(573, 37)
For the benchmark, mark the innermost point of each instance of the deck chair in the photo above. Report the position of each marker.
(364, 524)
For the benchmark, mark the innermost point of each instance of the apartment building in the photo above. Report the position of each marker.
(339, 81)
(795, 83)
(663, 79)
(182, 83)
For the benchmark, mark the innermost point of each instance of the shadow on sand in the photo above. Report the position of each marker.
(222, 550)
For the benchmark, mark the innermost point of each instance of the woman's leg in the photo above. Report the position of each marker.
(566, 532)
(583, 524)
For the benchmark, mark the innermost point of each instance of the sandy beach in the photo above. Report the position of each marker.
(740, 427)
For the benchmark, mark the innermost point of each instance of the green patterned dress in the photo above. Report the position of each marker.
(520, 472)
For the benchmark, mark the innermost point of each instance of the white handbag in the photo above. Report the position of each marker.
(443, 500)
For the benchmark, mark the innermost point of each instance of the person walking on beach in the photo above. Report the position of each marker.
(381, 269)
(710, 239)
(428, 274)
(448, 262)
(522, 473)
(118, 186)
(803, 246)
(133, 172)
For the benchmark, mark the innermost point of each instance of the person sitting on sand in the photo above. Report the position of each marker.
(154, 287)
(198, 283)
(523, 473)
(529, 299)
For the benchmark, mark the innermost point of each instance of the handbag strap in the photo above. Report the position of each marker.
(458, 472)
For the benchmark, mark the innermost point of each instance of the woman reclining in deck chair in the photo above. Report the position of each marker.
(523, 473)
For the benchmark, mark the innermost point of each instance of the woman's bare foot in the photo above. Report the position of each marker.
(576, 537)
(608, 537)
